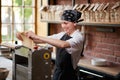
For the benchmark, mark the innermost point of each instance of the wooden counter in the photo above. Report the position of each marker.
(110, 69)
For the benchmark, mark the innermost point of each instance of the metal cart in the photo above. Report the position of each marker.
(31, 65)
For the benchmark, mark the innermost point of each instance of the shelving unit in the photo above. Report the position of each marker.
(88, 23)
(108, 23)
(100, 24)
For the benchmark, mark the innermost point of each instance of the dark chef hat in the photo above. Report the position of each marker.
(71, 15)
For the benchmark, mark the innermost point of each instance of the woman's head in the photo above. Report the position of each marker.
(69, 19)
(71, 16)
(68, 27)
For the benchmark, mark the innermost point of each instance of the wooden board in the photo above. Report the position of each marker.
(109, 69)
(27, 42)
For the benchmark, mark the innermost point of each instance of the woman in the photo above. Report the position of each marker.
(69, 45)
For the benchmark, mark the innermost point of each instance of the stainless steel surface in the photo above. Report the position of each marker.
(6, 63)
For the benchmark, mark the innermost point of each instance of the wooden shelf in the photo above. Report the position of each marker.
(52, 21)
(99, 24)
(108, 24)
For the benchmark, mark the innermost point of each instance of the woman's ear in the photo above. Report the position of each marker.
(74, 24)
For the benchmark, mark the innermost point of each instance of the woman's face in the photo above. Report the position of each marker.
(68, 27)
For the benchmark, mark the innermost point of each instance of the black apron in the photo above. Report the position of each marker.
(64, 69)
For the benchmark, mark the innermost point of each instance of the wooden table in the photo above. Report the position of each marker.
(111, 69)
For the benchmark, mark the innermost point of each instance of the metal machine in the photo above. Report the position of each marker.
(31, 65)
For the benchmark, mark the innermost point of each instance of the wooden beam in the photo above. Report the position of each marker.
(89, 1)
(73, 2)
(36, 16)
(0, 24)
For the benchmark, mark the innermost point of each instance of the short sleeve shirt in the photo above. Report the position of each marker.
(76, 43)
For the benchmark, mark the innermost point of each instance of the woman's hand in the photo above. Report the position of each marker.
(33, 36)
(30, 34)
(36, 39)
(18, 35)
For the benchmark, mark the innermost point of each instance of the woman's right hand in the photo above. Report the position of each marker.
(18, 35)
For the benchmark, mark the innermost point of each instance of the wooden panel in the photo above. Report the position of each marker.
(54, 28)
(94, 1)
(64, 2)
(42, 27)
(101, 1)
(81, 1)
(0, 24)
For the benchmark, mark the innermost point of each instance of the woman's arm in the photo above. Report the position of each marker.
(54, 42)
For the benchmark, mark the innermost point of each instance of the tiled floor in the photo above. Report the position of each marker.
(6, 63)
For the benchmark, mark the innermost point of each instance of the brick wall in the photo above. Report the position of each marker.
(103, 44)
(99, 44)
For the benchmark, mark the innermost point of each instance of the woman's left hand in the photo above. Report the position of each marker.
(33, 36)
(30, 34)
